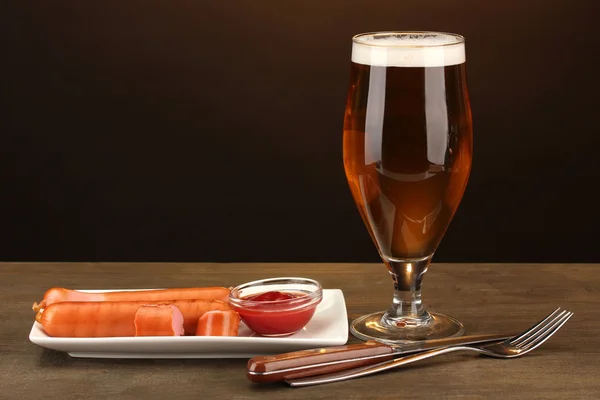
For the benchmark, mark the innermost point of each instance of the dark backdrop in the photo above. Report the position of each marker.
(211, 130)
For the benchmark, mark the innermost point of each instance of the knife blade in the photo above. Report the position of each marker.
(303, 363)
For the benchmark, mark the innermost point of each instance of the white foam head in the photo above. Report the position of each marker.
(408, 49)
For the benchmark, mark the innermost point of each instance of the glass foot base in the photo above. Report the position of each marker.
(379, 326)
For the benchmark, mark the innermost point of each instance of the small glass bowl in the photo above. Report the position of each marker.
(277, 317)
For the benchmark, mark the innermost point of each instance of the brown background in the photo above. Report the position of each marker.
(211, 130)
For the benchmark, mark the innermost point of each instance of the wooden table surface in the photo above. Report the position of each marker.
(496, 298)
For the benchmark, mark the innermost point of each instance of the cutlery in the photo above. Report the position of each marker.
(515, 346)
(318, 361)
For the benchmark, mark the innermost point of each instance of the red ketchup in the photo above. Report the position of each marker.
(276, 313)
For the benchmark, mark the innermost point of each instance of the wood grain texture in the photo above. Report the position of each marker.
(487, 298)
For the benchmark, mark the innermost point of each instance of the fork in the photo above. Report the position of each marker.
(515, 346)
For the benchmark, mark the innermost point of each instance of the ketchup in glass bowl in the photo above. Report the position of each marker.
(276, 306)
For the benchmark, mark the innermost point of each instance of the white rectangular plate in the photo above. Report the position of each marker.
(328, 327)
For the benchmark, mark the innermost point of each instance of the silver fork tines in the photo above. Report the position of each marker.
(545, 333)
(536, 328)
(513, 347)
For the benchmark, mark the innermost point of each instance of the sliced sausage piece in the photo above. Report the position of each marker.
(218, 323)
(158, 320)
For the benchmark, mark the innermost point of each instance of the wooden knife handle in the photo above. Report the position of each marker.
(299, 364)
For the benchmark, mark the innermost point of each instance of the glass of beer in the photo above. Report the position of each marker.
(407, 156)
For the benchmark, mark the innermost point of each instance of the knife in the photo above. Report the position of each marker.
(303, 363)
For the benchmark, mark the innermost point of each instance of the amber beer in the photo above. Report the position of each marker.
(407, 138)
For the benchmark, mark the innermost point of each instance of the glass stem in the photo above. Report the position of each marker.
(407, 305)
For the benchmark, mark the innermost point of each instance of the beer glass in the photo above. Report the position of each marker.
(407, 157)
